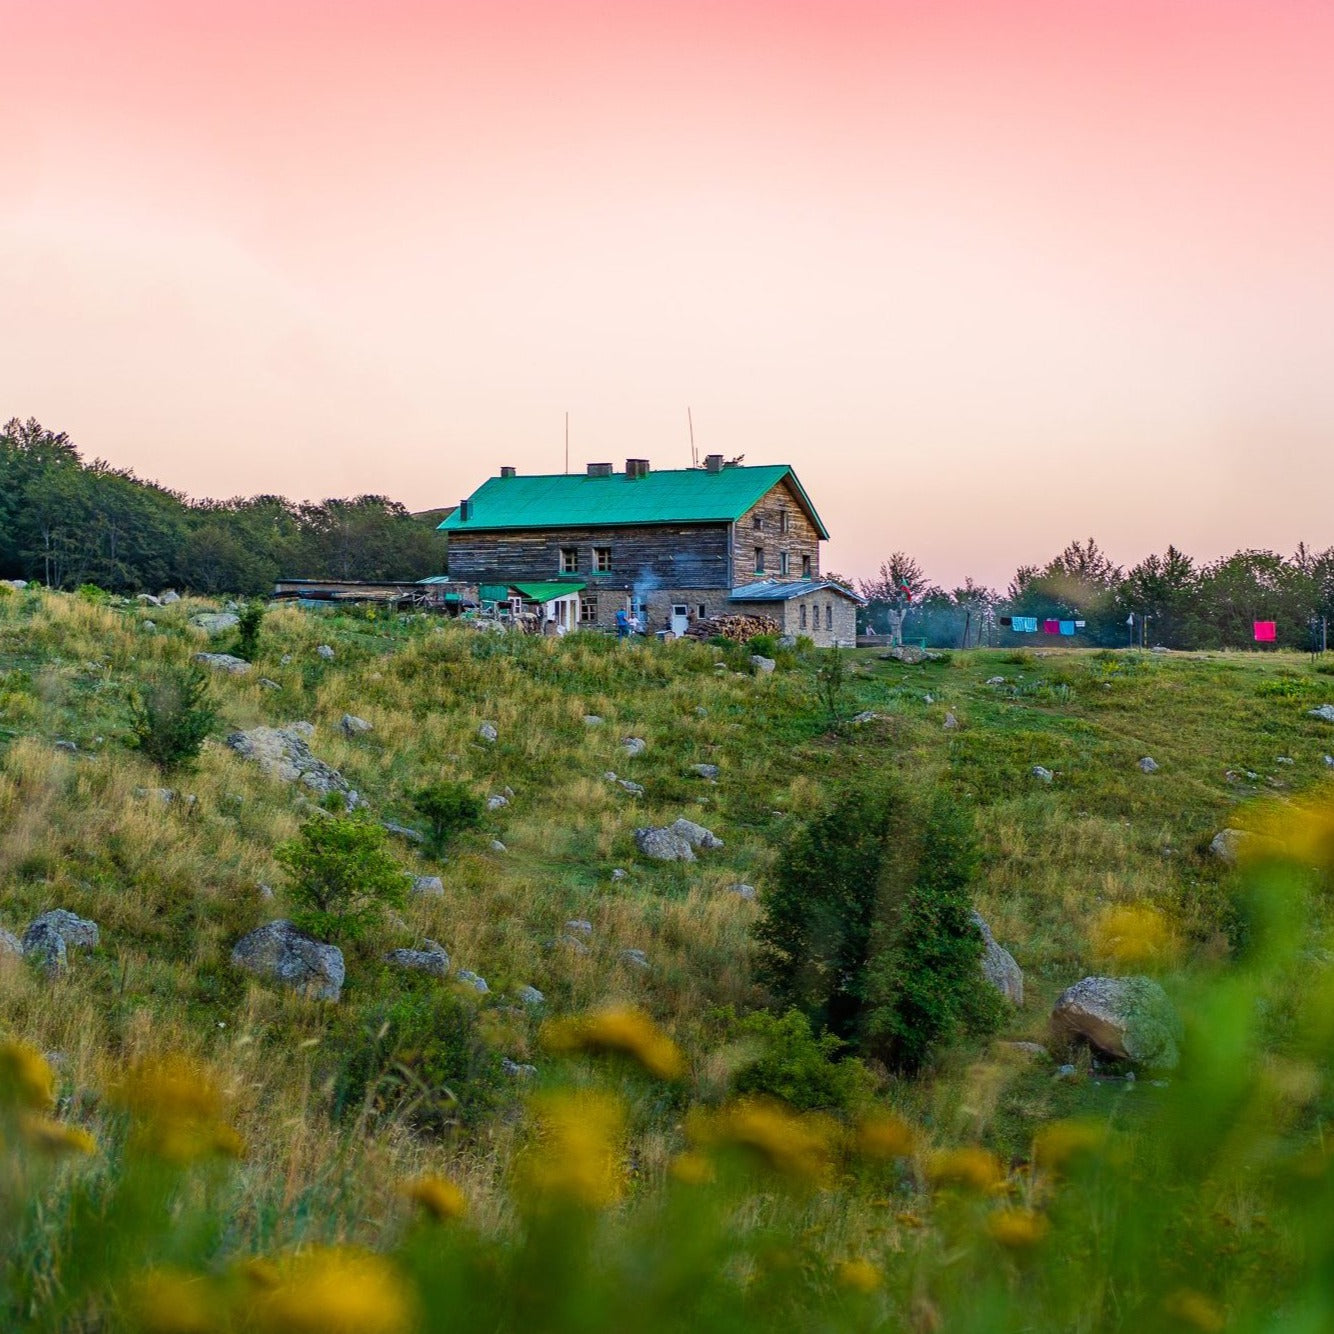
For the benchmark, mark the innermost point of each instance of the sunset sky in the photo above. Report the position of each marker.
(991, 276)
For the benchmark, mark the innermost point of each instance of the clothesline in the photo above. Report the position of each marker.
(1030, 625)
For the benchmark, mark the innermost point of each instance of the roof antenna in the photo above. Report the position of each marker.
(567, 443)
(690, 421)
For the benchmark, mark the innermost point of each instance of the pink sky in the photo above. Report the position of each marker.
(989, 275)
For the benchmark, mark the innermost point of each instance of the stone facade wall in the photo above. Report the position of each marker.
(830, 619)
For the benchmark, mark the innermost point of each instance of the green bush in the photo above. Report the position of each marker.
(247, 631)
(832, 685)
(449, 808)
(804, 1070)
(765, 645)
(172, 716)
(867, 928)
(92, 593)
(342, 876)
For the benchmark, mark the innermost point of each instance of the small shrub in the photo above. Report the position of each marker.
(798, 1067)
(450, 808)
(831, 683)
(99, 597)
(342, 876)
(805, 644)
(765, 645)
(247, 631)
(172, 717)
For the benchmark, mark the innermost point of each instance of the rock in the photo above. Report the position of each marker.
(497, 802)
(264, 891)
(1041, 774)
(162, 794)
(223, 662)
(478, 984)
(488, 733)
(10, 945)
(18, 585)
(278, 952)
(1284, 759)
(706, 771)
(635, 958)
(572, 943)
(215, 622)
(930, 699)
(580, 926)
(431, 958)
(325, 652)
(67, 746)
(618, 872)
(149, 600)
(530, 996)
(302, 729)
(1325, 712)
(1033, 1049)
(701, 711)
(634, 789)
(1149, 765)
(77, 932)
(995, 680)
(866, 716)
(609, 776)
(168, 596)
(762, 664)
(1066, 1074)
(1329, 761)
(285, 660)
(1228, 844)
(634, 745)
(516, 1069)
(282, 753)
(147, 626)
(498, 846)
(787, 641)
(354, 726)
(592, 720)
(427, 884)
(695, 834)
(45, 945)
(951, 722)
(1126, 1017)
(998, 965)
(266, 684)
(663, 845)
(403, 832)
(746, 892)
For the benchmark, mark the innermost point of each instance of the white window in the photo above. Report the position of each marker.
(569, 560)
(588, 611)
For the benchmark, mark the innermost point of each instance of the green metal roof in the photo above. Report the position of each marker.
(548, 592)
(687, 495)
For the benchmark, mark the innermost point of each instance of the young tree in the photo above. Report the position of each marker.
(172, 716)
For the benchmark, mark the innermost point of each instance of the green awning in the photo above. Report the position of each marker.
(494, 593)
(548, 592)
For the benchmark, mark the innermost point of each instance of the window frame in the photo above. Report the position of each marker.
(601, 560)
(569, 560)
(759, 560)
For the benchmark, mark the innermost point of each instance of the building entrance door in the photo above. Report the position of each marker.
(680, 619)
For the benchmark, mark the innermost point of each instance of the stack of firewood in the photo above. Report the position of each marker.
(736, 627)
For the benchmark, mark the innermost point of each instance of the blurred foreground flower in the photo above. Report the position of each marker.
(440, 1198)
(793, 1146)
(1060, 1143)
(691, 1168)
(178, 1111)
(886, 1137)
(618, 1030)
(968, 1168)
(860, 1275)
(1303, 831)
(578, 1156)
(1196, 1310)
(1017, 1229)
(55, 1137)
(1135, 936)
(26, 1080)
(338, 1291)
(165, 1301)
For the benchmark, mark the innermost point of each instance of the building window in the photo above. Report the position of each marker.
(757, 522)
(588, 611)
(601, 560)
(569, 560)
(828, 615)
(759, 560)
(703, 615)
(782, 521)
(782, 562)
(805, 567)
(803, 615)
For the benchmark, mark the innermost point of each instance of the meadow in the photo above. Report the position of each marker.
(184, 1148)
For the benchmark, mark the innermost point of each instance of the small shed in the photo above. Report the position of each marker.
(820, 609)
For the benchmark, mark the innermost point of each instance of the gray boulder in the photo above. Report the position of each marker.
(427, 884)
(745, 892)
(764, 666)
(634, 789)
(488, 732)
(431, 958)
(663, 845)
(579, 926)
(498, 846)
(10, 945)
(354, 726)
(635, 958)
(45, 945)
(951, 723)
(402, 831)
(1126, 1017)
(695, 834)
(18, 585)
(282, 753)
(517, 1069)
(1149, 765)
(267, 684)
(998, 965)
(325, 652)
(706, 771)
(592, 720)
(1325, 712)
(995, 680)
(162, 794)
(1228, 844)
(1041, 774)
(77, 932)
(478, 984)
(634, 745)
(214, 622)
(149, 600)
(223, 662)
(497, 802)
(168, 596)
(278, 952)
(530, 996)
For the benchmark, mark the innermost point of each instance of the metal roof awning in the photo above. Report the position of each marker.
(774, 590)
(548, 592)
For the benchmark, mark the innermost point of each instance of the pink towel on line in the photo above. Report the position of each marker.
(1051, 627)
(1266, 632)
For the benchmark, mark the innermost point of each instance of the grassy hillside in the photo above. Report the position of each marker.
(408, 1077)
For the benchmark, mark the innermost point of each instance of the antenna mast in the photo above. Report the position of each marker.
(690, 421)
(567, 442)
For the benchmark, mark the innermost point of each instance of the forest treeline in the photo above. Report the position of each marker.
(64, 522)
(1168, 599)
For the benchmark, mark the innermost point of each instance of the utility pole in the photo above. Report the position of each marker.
(567, 442)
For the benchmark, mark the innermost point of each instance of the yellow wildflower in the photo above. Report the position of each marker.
(1017, 1229)
(691, 1168)
(55, 1137)
(1134, 935)
(26, 1080)
(1304, 832)
(178, 1109)
(577, 1159)
(166, 1301)
(1059, 1143)
(796, 1147)
(619, 1030)
(969, 1167)
(886, 1137)
(336, 1291)
(860, 1275)
(440, 1198)
(1196, 1310)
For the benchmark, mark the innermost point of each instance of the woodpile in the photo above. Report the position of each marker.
(738, 627)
